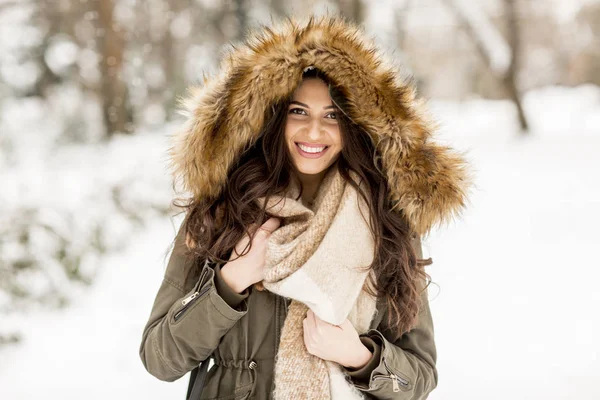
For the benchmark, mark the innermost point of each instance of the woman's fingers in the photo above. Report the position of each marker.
(270, 225)
(252, 228)
(309, 331)
(306, 335)
(311, 321)
(266, 228)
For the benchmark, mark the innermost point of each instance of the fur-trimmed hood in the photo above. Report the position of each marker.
(225, 114)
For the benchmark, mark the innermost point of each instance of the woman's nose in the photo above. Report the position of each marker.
(314, 131)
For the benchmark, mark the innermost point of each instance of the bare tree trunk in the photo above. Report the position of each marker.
(514, 41)
(401, 19)
(113, 89)
(170, 53)
(353, 9)
(278, 6)
(49, 17)
(508, 76)
(241, 14)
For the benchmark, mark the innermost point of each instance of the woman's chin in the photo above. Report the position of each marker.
(310, 171)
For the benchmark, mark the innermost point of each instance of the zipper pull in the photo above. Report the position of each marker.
(189, 298)
(395, 383)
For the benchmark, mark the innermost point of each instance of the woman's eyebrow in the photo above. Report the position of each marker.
(305, 105)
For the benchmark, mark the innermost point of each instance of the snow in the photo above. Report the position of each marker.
(515, 297)
(21, 76)
(61, 54)
(92, 347)
(65, 205)
(181, 25)
(516, 309)
(566, 11)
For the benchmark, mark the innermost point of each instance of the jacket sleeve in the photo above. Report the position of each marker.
(187, 323)
(402, 368)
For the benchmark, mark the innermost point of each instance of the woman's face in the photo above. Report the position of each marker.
(312, 132)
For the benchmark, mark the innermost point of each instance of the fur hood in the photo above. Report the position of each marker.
(225, 114)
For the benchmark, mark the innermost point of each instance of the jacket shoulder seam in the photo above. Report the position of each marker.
(174, 284)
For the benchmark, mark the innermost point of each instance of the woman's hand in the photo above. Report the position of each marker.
(241, 272)
(335, 343)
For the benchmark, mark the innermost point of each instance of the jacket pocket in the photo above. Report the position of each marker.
(398, 381)
(200, 289)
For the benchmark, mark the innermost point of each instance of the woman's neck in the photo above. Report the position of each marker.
(310, 185)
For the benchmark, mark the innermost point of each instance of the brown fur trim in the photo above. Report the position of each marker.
(225, 115)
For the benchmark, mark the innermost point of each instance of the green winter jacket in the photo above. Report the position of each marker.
(187, 324)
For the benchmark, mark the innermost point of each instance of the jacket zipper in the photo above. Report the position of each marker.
(397, 381)
(188, 301)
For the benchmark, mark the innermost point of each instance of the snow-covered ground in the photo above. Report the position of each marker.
(516, 310)
(515, 301)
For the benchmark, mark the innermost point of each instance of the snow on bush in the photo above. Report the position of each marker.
(60, 211)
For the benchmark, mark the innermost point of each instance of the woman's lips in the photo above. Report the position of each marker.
(311, 155)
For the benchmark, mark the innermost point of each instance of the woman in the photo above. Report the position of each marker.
(298, 266)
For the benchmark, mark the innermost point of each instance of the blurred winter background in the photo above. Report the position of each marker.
(88, 91)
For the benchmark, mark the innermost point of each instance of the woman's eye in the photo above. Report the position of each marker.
(332, 115)
(292, 111)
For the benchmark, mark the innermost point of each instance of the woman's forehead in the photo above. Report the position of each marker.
(313, 90)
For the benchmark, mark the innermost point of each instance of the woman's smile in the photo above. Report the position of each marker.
(311, 150)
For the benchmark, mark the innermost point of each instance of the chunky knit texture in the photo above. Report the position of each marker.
(319, 257)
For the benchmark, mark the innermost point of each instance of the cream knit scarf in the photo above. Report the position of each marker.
(318, 258)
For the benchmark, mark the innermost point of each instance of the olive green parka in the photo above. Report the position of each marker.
(241, 331)
(427, 183)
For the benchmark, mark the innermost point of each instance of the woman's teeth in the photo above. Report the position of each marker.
(311, 149)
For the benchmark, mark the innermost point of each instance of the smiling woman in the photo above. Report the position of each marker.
(298, 266)
(312, 133)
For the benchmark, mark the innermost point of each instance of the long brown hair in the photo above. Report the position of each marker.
(214, 226)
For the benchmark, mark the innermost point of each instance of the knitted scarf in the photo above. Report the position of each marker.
(318, 257)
